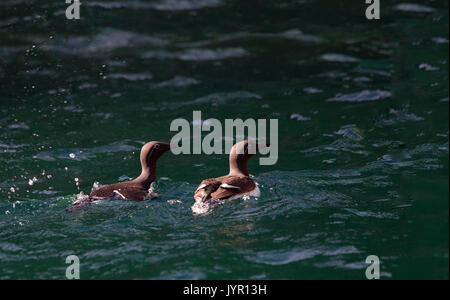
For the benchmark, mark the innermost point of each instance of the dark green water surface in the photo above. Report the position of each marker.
(363, 134)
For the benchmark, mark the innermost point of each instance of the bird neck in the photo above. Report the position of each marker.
(148, 175)
(238, 165)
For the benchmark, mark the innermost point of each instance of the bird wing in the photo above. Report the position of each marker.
(120, 191)
(232, 186)
(206, 187)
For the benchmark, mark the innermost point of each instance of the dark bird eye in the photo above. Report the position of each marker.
(157, 146)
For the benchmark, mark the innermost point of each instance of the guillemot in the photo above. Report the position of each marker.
(234, 185)
(138, 189)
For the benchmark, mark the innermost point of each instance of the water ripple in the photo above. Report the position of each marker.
(362, 96)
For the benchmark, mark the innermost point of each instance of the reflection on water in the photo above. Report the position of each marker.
(363, 118)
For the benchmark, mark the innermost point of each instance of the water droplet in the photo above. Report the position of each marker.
(77, 183)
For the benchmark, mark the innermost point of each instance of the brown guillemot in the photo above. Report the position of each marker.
(234, 185)
(138, 189)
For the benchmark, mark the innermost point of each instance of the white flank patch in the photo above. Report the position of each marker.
(119, 194)
(227, 186)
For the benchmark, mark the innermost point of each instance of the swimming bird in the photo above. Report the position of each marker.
(138, 189)
(234, 185)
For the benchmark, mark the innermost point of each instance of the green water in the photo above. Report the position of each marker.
(354, 177)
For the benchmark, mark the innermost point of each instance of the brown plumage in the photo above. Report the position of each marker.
(137, 189)
(236, 183)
